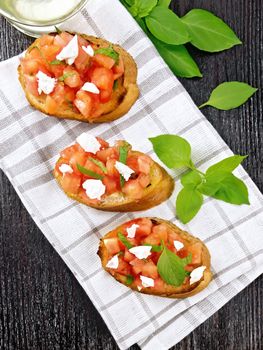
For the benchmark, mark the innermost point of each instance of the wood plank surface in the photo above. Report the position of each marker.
(42, 305)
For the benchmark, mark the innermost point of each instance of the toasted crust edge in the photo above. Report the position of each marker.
(198, 287)
(153, 197)
(129, 84)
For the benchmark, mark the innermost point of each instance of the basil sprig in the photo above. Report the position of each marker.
(124, 240)
(123, 150)
(217, 182)
(229, 95)
(56, 62)
(171, 267)
(99, 164)
(89, 173)
(108, 51)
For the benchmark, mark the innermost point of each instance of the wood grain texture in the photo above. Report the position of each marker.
(41, 304)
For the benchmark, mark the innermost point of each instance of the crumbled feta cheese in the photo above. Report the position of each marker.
(90, 87)
(46, 84)
(113, 263)
(65, 168)
(141, 252)
(132, 230)
(88, 142)
(197, 274)
(89, 50)
(70, 52)
(94, 188)
(124, 170)
(147, 281)
(178, 245)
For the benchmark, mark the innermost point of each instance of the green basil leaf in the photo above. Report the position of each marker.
(123, 158)
(129, 279)
(230, 95)
(89, 172)
(174, 151)
(208, 32)
(178, 59)
(142, 8)
(187, 260)
(165, 3)
(99, 164)
(108, 51)
(171, 268)
(191, 179)
(228, 164)
(226, 187)
(188, 204)
(124, 240)
(155, 248)
(166, 26)
(56, 62)
(65, 76)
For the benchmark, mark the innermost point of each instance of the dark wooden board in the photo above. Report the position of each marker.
(41, 304)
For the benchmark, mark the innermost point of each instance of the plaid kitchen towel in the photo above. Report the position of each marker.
(29, 147)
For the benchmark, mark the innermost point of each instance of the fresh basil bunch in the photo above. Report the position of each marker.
(217, 182)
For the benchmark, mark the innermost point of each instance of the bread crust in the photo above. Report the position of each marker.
(161, 188)
(169, 291)
(123, 97)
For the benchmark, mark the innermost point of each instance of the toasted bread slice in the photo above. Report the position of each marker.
(160, 188)
(111, 245)
(123, 96)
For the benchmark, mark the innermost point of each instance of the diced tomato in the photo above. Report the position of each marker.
(153, 239)
(83, 102)
(31, 84)
(155, 257)
(82, 62)
(132, 163)
(159, 284)
(118, 69)
(72, 77)
(77, 158)
(105, 96)
(82, 41)
(32, 66)
(144, 163)
(145, 227)
(173, 236)
(57, 69)
(144, 180)
(111, 170)
(71, 183)
(93, 167)
(68, 152)
(102, 78)
(58, 94)
(104, 144)
(196, 251)
(62, 39)
(128, 256)
(104, 61)
(35, 52)
(182, 253)
(133, 189)
(111, 184)
(124, 268)
(137, 265)
(150, 270)
(67, 37)
(46, 40)
(69, 94)
(51, 105)
(50, 52)
(112, 245)
(107, 153)
(161, 231)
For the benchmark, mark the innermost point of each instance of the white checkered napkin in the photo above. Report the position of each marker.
(29, 146)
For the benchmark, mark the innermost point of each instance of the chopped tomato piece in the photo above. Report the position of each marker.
(111, 170)
(132, 162)
(50, 52)
(111, 184)
(77, 158)
(82, 62)
(68, 152)
(107, 153)
(105, 96)
(51, 105)
(118, 69)
(112, 245)
(102, 78)
(150, 270)
(153, 239)
(160, 231)
(137, 265)
(31, 84)
(182, 253)
(145, 227)
(144, 163)
(72, 78)
(104, 61)
(128, 256)
(46, 40)
(104, 144)
(93, 167)
(57, 69)
(196, 251)
(71, 183)
(33, 65)
(133, 189)
(69, 94)
(83, 102)
(59, 93)
(124, 268)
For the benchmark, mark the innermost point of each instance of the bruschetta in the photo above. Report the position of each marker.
(153, 256)
(111, 178)
(78, 76)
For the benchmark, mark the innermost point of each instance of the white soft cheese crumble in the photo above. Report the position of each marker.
(124, 170)
(141, 252)
(131, 231)
(94, 188)
(65, 168)
(178, 245)
(46, 84)
(89, 143)
(113, 263)
(197, 274)
(147, 281)
(70, 52)
(90, 87)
